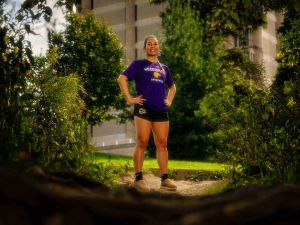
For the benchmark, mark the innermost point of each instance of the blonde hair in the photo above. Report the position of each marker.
(145, 43)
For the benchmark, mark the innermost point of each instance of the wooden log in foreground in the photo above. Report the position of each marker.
(42, 200)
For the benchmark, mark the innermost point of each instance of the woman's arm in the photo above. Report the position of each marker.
(122, 81)
(171, 95)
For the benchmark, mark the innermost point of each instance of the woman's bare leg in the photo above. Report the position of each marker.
(143, 130)
(160, 132)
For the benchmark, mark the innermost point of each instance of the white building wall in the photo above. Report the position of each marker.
(269, 42)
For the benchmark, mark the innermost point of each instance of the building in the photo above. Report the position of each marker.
(262, 45)
(132, 20)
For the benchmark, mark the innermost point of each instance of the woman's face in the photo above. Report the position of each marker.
(152, 47)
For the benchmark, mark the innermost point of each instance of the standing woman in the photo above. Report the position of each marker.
(151, 105)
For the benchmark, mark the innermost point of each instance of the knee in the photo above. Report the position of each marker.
(142, 143)
(161, 144)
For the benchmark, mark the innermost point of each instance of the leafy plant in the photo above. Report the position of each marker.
(89, 48)
(250, 130)
(41, 107)
(15, 68)
(57, 129)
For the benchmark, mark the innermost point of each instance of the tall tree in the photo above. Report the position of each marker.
(40, 112)
(89, 48)
(286, 89)
(195, 66)
(256, 128)
(15, 67)
(40, 109)
(232, 17)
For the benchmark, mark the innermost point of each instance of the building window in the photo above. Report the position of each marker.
(251, 56)
(92, 4)
(245, 40)
(135, 34)
(135, 12)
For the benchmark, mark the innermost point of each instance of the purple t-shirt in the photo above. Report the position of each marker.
(151, 82)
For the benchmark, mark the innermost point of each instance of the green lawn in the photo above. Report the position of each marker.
(151, 163)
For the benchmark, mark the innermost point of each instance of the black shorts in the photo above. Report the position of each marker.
(151, 115)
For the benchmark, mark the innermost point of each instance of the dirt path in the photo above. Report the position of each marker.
(184, 187)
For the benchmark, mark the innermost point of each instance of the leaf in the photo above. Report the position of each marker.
(19, 17)
(218, 12)
(272, 110)
(37, 16)
(48, 11)
(234, 16)
(27, 4)
(27, 28)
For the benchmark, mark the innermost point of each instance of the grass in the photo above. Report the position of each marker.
(151, 163)
(178, 169)
(216, 188)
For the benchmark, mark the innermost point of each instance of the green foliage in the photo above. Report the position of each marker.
(99, 172)
(253, 132)
(286, 88)
(15, 68)
(287, 81)
(194, 66)
(203, 175)
(289, 54)
(258, 129)
(57, 129)
(92, 50)
(255, 128)
(41, 107)
(33, 10)
(224, 17)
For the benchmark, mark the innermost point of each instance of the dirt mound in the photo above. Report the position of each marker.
(42, 200)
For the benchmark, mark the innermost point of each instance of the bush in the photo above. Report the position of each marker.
(252, 129)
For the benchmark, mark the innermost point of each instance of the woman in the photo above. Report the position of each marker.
(150, 109)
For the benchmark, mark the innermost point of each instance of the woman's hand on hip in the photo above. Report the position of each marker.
(167, 102)
(137, 100)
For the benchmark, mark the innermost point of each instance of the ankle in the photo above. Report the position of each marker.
(138, 176)
(164, 176)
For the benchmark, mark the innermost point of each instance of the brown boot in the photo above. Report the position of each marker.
(168, 185)
(141, 185)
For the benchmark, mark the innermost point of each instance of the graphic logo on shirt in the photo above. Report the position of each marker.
(156, 74)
